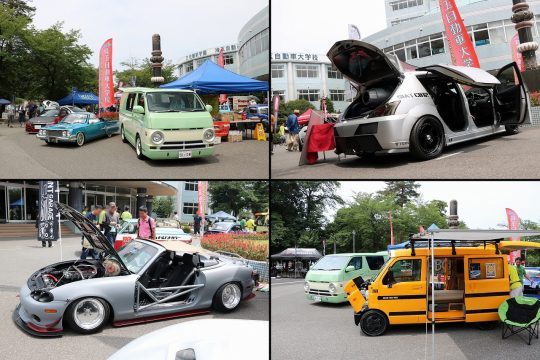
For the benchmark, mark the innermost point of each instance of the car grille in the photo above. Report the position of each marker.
(182, 145)
(320, 292)
(54, 132)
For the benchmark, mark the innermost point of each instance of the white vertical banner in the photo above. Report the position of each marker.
(354, 32)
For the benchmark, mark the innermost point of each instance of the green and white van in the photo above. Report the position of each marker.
(327, 277)
(166, 123)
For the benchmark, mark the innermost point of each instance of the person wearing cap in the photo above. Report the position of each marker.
(294, 129)
(146, 226)
(112, 220)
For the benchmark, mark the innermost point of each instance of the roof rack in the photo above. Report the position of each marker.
(450, 243)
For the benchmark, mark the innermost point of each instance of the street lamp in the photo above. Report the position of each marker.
(353, 241)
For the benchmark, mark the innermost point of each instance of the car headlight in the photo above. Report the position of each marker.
(209, 135)
(186, 354)
(65, 133)
(332, 288)
(41, 132)
(42, 296)
(306, 286)
(157, 137)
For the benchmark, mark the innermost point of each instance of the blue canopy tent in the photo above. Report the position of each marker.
(210, 78)
(79, 98)
(4, 102)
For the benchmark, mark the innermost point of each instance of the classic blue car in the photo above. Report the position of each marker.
(78, 128)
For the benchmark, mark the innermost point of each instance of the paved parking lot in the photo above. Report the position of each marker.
(495, 157)
(302, 329)
(19, 258)
(26, 157)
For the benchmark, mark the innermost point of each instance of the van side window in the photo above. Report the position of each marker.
(404, 271)
(130, 101)
(486, 268)
(375, 262)
(356, 262)
(140, 100)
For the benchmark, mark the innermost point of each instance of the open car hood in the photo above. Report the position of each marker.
(363, 63)
(90, 232)
(463, 74)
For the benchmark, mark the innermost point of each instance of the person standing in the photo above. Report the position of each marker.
(516, 289)
(197, 224)
(243, 223)
(22, 115)
(87, 248)
(126, 215)
(10, 115)
(113, 220)
(250, 225)
(146, 225)
(522, 273)
(294, 129)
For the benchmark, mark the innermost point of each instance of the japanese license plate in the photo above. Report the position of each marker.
(184, 154)
(317, 298)
(37, 127)
(217, 140)
(53, 140)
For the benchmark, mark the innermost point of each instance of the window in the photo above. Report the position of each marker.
(189, 67)
(199, 62)
(437, 44)
(375, 262)
(278, 71)
(309, 94)
(334, 73)
(496, 32)
(256, 45)
(130, 101)
(190, 208)
(307, 71)
(400, 53)
(229, 59)
(356, 262)
(490, 268)
(424, 49)
(337, 95)
(191, 186)
(410, 48)
(481, 35)
(404, 4)
(404, 271)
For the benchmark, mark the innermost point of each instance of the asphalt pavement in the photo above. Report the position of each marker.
(26, 157)
(20, 258)
(302, 329)
(495, 157)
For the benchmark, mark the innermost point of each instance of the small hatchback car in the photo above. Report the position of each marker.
(425, 109)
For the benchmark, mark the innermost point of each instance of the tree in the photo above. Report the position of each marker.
(329, 105)
(163, 206)
(142, 72)
(402, 191)
(287, 108)
(238, 196)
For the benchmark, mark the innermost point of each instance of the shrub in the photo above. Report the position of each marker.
(535, 99)
(249, 246)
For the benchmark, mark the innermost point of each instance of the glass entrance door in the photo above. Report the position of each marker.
(3, 204)
(16, 204)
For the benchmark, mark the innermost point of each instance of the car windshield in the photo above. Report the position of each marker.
(220, 226)
(128, 227)
(380, 269)
(75, 119)
(51, 112)
(331, 262)
(76, 109)
(136, 254)
(174, 102)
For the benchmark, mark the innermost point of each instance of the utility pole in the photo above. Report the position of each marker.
(353, 241)
(157, 60)
(523, 17)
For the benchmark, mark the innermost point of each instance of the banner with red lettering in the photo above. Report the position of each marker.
(513, 224)
(461, 49)
(221, 62)
(202, 189)
(106, 87)
(516, 55)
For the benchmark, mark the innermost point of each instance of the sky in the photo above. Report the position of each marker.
(313, 26)
(185, 26)
(481, 204)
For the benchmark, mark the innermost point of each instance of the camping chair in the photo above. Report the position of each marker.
(520, 314)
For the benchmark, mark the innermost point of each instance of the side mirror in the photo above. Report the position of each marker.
(197, 260)
(349, 268)
(209, 108)
(138, 109)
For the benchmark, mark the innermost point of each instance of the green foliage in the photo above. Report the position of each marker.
(163, 206)
(287, 108)
(329, 105)
(212, 100)
(299, 210)
(142, 70)
(403, 192)
(238, 196)
(186, 228)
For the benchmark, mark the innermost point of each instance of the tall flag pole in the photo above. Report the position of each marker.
(460, 45)
(106, 87)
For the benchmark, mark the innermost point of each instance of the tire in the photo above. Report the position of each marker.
(123, 135)
(80, 139)
(228, 297)
(87, 315)
(138, 148)
(512, 129)
(427, 138)
(373, 323)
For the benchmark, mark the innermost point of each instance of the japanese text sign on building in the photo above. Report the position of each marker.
(295, 56)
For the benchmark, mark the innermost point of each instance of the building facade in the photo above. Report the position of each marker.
(416, 34)
(19, 199)
(309, 77)
(248, 57)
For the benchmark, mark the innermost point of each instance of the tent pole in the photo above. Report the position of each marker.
(432, 296)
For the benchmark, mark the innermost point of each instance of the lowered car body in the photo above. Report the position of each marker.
(48, 117)
(144, 281)
(423, 110)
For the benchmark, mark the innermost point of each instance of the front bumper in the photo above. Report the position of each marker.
(383, 134)
(335, 299)
(57, 139)
(155, 154)
(33, 329)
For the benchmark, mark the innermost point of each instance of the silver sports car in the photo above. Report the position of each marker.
(144, 281)
(425, 109)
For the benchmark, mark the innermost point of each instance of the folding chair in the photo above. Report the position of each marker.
(520, 314)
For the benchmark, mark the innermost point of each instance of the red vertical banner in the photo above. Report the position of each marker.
(513, 224)
(106, 87)
(391, 229)
(460, 45)
(221, 63)
(516, 55)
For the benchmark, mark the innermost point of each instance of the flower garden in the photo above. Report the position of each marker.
(249, 246)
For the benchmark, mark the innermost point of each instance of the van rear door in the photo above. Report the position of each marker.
(486, 286)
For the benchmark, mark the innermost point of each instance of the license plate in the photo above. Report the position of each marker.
(184, 154)
(37, 126)
(317, 298)
(53, 140)
(217, 140)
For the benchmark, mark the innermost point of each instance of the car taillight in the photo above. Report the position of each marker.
(385, 109)
(244, 116)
